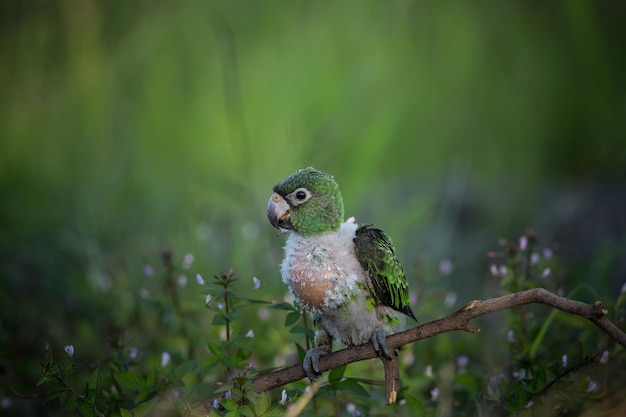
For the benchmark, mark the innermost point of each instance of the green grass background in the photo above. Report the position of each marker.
(131, 127)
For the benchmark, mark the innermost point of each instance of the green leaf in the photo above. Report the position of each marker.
(95, 380)
(292, 318)
(246, 411)
(131, 381)
(216, 348)
(125, 413)
(218, 320)
(336, 374)
(350, 386)
(416, 406)
(297, 330)
(263, 404)
(229, 404)
(145, 408)
(183, 369)
(283, 306)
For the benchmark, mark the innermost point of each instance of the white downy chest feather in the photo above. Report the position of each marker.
(325, 276)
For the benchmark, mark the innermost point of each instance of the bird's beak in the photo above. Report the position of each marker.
(278, 212)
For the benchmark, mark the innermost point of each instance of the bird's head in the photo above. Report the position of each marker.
(308, 202)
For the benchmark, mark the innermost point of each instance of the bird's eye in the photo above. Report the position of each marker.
(300, 195)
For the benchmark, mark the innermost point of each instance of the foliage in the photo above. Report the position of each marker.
(532, 378)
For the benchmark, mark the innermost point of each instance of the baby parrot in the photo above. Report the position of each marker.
(347, 276)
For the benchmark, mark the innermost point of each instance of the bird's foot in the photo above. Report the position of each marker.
(311, 364)
(379, 342)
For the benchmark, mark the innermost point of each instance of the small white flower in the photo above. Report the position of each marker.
(69, 349)
(182, 280)
(534, 258)
(604, 359)
(199, 279)
(165, 359)
(503, 270)
(523, 242)
(188, 260)
(207, 300)
(545, 273)
(593, 386)
(434, 393)
(564, 360)
(283, 397)
(521, 374)
(450, 299)
(623, 289)
(250, 333)
(256, 282)
(220, 305)
(494, 270)
(429, 371)
(529, 404)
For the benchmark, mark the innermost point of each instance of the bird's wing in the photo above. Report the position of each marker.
(386, 279)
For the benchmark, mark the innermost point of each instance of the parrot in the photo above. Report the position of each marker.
(347, 276)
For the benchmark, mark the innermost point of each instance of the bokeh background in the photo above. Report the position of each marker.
(129, 128)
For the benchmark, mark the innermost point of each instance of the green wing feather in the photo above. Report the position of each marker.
(386, 279)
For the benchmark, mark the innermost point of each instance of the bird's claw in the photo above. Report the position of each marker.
(379, 342)
(311, 363)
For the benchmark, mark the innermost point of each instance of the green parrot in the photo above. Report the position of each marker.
(347, 276)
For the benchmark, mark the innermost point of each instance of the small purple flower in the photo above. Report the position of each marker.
(604, 359)
(434, 393)
(133, 351)
(564, 360)
(521, 374)
(593, 386)
(69, 349)
(510, 336)
(461, 363)
(228, 394)
(523, 242)
(216, 403)
(199, 279)
(256, 282)
(623, 289)
(207, 300)
(182, 280)
(547, 253)
(148, 270)
(446, 266)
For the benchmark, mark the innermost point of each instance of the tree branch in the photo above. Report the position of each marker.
(458, 320)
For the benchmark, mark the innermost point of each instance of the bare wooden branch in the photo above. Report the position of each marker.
(458, 320)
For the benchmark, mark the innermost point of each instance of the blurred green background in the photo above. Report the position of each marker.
(128, 128)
